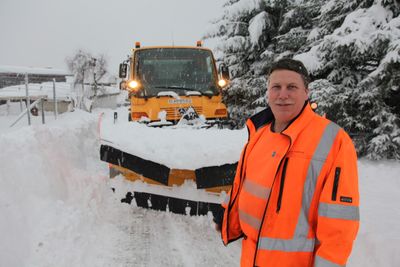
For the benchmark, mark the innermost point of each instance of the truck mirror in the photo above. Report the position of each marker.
(224, 70)
(123, 69)
(122, 85)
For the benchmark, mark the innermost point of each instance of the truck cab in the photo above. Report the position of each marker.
(164, 83)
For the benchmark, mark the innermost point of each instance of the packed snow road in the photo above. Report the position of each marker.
(57, 208)
(165, 239)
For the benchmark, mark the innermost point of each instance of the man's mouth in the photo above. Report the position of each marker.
(283, 104)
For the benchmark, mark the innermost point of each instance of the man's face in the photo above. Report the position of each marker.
(286, 94)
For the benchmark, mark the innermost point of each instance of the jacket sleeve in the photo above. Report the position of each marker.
(338, 208)
(230, 227)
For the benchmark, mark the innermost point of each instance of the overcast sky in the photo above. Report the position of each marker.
(42, 33)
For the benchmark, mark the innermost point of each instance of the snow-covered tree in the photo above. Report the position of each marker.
(361, 59)
(86, 67)
(242, 32)
(351, 49)
(87, 70)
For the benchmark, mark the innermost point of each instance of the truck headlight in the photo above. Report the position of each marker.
(133, 85)
(222, 83)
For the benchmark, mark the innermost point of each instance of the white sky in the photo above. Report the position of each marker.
(42, 33)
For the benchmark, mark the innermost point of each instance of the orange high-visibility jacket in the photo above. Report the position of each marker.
(295, 194)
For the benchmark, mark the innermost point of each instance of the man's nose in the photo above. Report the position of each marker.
(284, 93)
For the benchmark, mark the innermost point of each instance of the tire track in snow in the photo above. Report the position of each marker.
(166, 239)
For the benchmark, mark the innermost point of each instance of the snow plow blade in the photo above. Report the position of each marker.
(209, 181)
(172, 204)
(146, 168)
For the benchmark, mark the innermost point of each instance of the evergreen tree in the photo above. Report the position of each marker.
(360, 59)
(351, 48)
(246, 33)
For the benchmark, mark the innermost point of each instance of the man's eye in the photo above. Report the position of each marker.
(275, 88)
(292, 87)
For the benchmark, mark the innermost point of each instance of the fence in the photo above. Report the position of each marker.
(37, 100)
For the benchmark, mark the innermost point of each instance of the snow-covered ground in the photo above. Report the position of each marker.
(57, 208)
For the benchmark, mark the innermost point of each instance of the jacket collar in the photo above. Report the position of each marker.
(266, 116)
(300, 122)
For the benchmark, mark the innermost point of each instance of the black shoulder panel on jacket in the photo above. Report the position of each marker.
(262, 118)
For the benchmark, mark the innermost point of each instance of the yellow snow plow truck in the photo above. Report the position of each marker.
(175, 85)
(169, 87)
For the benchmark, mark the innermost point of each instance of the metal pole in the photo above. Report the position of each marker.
(42, 105)
(83, 90)
(28, 100)
(25, 111)
(8, 107)
(115, 116)
(55, 99)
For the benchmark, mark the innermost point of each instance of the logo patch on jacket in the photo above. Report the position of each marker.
(346, 199)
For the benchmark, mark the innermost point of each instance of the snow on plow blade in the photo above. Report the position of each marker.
(182, 170)
(211, 181)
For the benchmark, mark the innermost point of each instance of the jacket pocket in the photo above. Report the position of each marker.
(282, 185)
(336, 183)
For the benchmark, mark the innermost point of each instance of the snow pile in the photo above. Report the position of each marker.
(58, 210)
(51, 193)
(183, 148)
(378, 239)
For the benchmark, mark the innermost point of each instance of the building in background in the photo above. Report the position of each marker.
(13, 75)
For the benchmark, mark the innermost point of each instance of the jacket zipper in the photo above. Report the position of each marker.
(278, 205)
(336, 183)
(266, 206)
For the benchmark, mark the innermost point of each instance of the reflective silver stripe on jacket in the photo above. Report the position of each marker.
(338, 211)
(321, 262)
(256, 189)
(287, 245)
(314, 169)
(249, 219)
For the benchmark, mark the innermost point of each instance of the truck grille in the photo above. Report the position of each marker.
(173, 113)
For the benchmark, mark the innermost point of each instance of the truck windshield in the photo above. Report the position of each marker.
(181, 70)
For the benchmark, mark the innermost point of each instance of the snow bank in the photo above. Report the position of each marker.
(378, 239)
(49, 186)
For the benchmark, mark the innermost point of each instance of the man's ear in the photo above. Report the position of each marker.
(307, 93)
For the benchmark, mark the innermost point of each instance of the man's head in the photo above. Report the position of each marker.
(287, 89)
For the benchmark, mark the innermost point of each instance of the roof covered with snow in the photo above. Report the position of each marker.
(33, 70)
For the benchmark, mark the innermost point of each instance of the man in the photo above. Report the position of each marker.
(295, 196)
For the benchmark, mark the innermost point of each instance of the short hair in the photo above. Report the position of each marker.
(293, 65)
